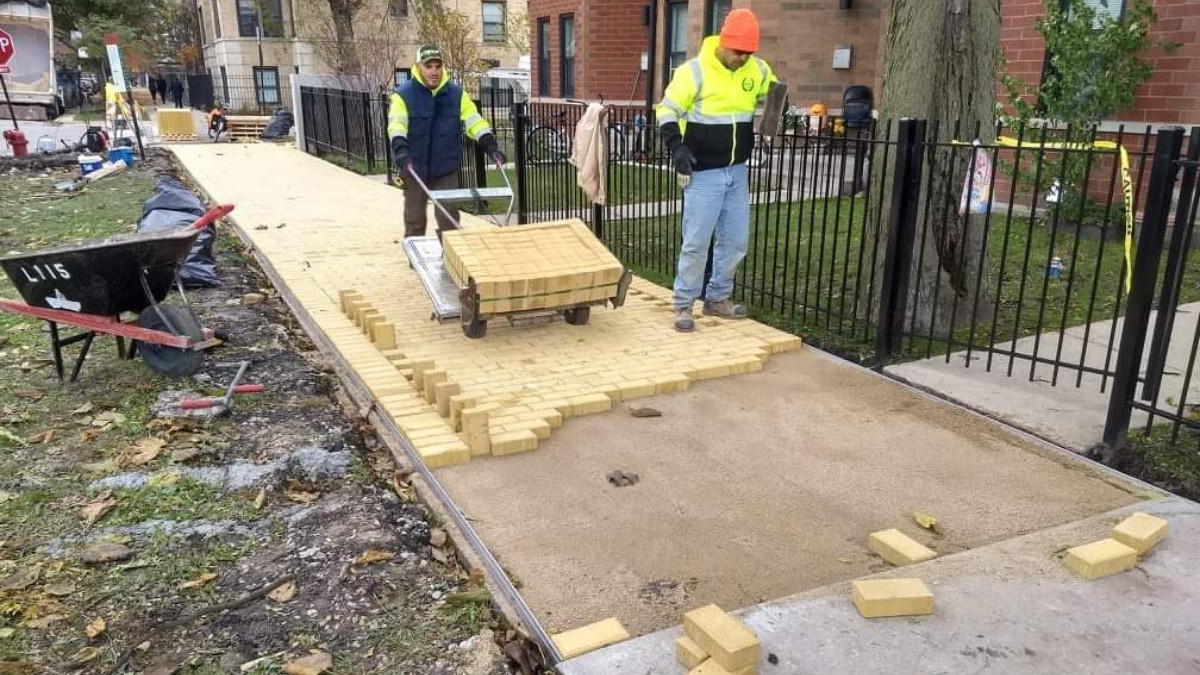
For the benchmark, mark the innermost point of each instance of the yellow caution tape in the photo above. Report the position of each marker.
(1126, 186)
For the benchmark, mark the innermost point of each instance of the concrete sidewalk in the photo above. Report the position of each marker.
(1072, 416)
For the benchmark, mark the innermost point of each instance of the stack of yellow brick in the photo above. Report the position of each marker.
(715, 643)
(1131, 539)
(529, 267)
(176, 124)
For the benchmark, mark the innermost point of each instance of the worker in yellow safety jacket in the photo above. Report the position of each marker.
(426, 119)
(706, 119)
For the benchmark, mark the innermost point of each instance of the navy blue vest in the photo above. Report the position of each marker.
(434, 128)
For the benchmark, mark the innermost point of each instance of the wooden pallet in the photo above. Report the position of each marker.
(178, 138)
(246, 127)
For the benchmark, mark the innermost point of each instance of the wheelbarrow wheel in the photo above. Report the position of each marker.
(577, 316)
(170, 361)
(475, 328)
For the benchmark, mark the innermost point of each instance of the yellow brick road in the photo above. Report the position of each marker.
(334, 238)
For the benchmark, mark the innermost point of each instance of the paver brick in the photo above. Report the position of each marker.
(589, 638)
(876, 598)
(711, 667)
(898, 548)
(726, 640)
(1101, 558)
(512, 442)
(689, 653)
(1141, 532)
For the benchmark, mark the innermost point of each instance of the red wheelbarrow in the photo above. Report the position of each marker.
(90, 285)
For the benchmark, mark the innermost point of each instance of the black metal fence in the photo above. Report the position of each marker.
(260, 94)
(995, 248)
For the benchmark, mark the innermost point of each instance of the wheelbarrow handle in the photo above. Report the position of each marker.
(201, 403)
(211, 216)
(249, 389)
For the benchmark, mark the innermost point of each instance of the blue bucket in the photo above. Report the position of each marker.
(121, 154)
(90, 163)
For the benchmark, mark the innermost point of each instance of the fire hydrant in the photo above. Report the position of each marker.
(16, 139)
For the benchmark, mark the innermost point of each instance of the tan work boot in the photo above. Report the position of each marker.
(725, 309)
(683, 321)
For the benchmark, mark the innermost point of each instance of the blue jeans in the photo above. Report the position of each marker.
(717, 200)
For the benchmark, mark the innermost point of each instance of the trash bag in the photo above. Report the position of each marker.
(173, 207)
(279, 125)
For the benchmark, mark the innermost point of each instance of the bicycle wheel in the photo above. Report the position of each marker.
(544, 145)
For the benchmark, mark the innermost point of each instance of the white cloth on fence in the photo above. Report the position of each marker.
(589, 153)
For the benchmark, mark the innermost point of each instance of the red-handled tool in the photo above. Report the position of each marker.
(225, 401)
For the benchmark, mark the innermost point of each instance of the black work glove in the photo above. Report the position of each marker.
(492, 149)
(683, 159)
(400, 155)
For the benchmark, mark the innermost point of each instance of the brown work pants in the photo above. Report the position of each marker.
(415, 216)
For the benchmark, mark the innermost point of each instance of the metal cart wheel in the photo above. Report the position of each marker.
(475, 328)
(577, 316)
(170, 361)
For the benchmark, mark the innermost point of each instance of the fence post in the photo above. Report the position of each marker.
(902, 226)
(328, 119)
(1163, 172)
(349, 152)
(368, 137)
(481, 162)
(385, 100)
(520, 121)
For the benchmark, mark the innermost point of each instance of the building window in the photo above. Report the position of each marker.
(676, 37)
(1104, 8)
(714, 15)
(401, 75)
(494, 28)
(566, 54)
(224, 86)
(200, 19)
(543, 47)
(398, 9)
(216, 19)
(265, 13)
(266, 85)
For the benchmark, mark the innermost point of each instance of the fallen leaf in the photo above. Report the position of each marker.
(313, 664)
(96, 628)
(301, 496)
(374, 556)
(260, 499)
(84, 409)
(441, 556)
(283, 593)
(104, 553)
(164, 479)
(44, 437)
(89, 434)
(143, 451)
(29, 394)
(198, 581)
(6, 633)
(403, 490)
(114, 418)
(60, 589)
(183, 455)
(85, 655)
(97, 508)
(44, 622)
(645, 412)
(7, 496)
(22, 579)
(926, 521)
(144, 647)
(437, 537)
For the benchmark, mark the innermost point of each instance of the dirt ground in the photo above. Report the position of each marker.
(752, 488)
(195, 518)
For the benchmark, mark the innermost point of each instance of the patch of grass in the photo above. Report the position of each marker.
(184, 500)
(1171, 463)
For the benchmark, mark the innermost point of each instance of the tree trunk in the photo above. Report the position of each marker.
(343, 27)
(940, 65)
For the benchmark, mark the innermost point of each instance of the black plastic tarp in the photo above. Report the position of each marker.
(171, 207)
(279, 125)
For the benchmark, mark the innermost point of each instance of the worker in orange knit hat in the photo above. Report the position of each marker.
(706, 119)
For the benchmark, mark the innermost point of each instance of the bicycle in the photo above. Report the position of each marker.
(217, 124)
(552, 143)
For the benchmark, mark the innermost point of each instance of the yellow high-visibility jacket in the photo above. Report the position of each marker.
(432, 122)
(710, 109)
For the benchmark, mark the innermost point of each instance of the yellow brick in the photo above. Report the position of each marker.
(590, 404)
(429, 380)
(777, 344)
(689, 653)
(539, 427)
(345, 297)
(369, 323)
(418, 371)
(383, 334)
(442, 391)
(711, 370)
(671, 384)
(726, 639)
(1140, 532)
(711, 667)
(459, 403)
(897, 548)
(589, 638)
(476, 428)
(892, 597)
(448, 454)
(636, 389)
(513, 442)
(1101, 558)
(745, 364)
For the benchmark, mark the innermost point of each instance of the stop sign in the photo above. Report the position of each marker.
(8, 49)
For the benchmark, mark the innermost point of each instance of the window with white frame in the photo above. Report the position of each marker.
(495, 27)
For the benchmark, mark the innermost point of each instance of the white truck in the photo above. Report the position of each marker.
(32, 82)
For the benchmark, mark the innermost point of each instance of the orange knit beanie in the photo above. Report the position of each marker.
(740, 31)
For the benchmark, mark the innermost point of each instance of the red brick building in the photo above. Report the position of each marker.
(818, 47)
